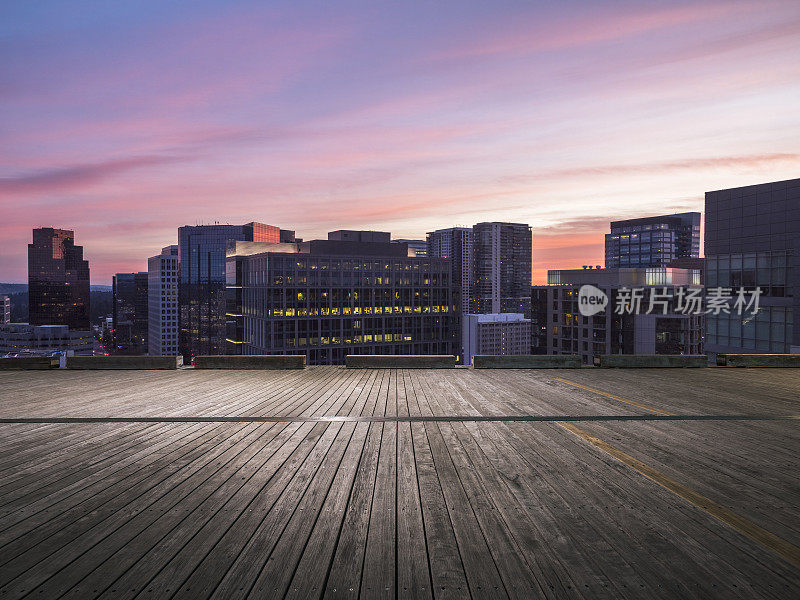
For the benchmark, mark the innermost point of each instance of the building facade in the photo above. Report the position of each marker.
(501, 268)
(539, 319)
(130, 313)
(23, 339)
(330, 298)
(663, 331)
(163, 271)
(455, 244)
(752, 240)
(58, 280)
(420, 247)
(201, 291)
(5, 309)
(496, 334)
(653, 241)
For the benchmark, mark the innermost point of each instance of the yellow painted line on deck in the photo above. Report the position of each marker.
(617, 398)
(786, 550)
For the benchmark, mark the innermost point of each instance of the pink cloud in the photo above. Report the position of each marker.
(77, 176)
(574, 32)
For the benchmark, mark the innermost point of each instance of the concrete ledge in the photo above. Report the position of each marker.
(400, 361)
(651, 361)
(526, 361)
(254, 361)
(37, 363)
(758, 360)
(124, 362)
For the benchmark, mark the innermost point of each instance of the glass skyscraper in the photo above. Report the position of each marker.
(129, 316)
(653, 241)
(58, 280)
(201, 293)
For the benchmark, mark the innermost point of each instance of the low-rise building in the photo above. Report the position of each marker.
(20, 339)
(496, 334)
(657, 328)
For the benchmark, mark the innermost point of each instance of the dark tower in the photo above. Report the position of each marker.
(58, 280)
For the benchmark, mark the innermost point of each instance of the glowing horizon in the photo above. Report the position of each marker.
(123, 122)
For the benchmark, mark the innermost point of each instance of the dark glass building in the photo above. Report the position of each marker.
(501, 268)
(752, 239)
(330, 298)
(201, 292)
(58, 280)
(129, 315)
(653, 241)
(539, 306)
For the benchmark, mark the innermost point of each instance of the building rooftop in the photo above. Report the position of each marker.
(364, 483)
(498, 317)
(625, 276)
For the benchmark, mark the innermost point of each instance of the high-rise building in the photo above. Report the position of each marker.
(58, 280)
(330, 298)
(5, 309)
(455, 244)
(420, 247)
(752, 240)
(501, 268)
(496, 334)
(162, 302)
(653, 241)
(665, 330)
(129, 313)
(539, 319)
(201, 293)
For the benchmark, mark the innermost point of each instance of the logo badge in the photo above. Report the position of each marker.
(591, 300)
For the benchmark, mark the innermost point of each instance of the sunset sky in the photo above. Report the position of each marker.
(124, 120)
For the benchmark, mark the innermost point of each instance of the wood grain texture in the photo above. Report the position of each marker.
(462, 484)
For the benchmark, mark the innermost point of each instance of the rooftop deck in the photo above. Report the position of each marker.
(398, 483)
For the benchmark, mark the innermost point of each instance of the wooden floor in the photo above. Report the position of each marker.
(398, 483)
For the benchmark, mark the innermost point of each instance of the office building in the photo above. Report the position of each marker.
(455, 244)
(129, 313)
(501, 268)
(496, 334)
(201, 292)
(23, 339)
(420, 247)
(752, 239)
(666, 330)
(58, 280)
(5, 309)
(330, 298)
(653, 241)
(162, 302)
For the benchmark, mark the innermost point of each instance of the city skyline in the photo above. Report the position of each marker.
(124, 123)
